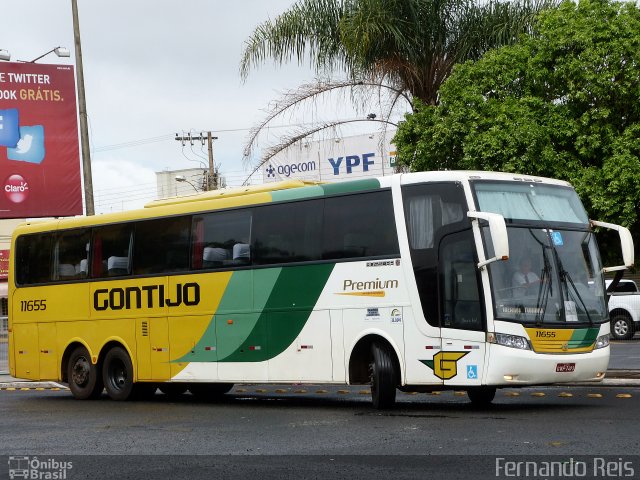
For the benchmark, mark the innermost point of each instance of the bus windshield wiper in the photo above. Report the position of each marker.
(545, 289)
(564, 275)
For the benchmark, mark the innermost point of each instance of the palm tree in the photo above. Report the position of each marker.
(408, 47)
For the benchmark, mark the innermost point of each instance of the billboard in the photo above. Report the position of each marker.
(39, 156)
(331, 160)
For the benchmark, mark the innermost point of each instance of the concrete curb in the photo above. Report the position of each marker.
(27, 385)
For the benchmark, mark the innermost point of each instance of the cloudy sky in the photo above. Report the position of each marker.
(153, 69)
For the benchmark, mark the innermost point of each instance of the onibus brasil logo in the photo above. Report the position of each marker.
(38, 468)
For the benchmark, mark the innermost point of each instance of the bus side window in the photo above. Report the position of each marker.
(287, 232)
(111, 250)
(161, 245)
(71, 255)
(359, 226)
(221, 239)
(33, 259)
(432, 210)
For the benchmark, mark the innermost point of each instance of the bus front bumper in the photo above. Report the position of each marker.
(512, 367)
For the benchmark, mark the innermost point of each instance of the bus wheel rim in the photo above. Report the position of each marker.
(81, 371)
(118, 375)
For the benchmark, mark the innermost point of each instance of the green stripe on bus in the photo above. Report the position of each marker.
(256, 324)
(297, 193)
(242, 303)
(583, 337)
(350, 187)
(288, 308)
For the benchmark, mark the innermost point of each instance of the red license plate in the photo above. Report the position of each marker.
(565, 367)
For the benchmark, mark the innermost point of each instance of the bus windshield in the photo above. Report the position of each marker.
(553, 274)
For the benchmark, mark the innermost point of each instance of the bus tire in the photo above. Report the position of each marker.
(84, 378)
(206, 391)
(383, 377)
(481, 395)
(622, 327)
(117, 374)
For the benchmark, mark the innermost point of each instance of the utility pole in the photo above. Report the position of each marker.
(212, 177)
(82, 107)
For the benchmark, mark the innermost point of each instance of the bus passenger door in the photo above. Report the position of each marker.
(462, 357)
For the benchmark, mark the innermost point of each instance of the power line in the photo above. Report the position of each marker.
(170, 136)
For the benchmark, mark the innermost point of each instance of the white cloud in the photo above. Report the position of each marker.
(121, 185)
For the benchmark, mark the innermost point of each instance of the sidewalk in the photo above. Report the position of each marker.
(7, 381)
(614, 378)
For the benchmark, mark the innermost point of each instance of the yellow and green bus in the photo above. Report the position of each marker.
(405, 282)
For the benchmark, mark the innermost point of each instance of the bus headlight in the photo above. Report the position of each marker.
(602, 341)
(513, 341)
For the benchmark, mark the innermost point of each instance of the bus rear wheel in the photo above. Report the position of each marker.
(481, 395)
(383, 377)
(117, 374)
(83, 376)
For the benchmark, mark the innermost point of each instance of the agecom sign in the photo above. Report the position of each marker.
(39, 156)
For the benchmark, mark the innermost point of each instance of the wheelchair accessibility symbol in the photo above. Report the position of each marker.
(472, 372)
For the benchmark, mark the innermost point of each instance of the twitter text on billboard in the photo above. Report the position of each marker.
(39, 155)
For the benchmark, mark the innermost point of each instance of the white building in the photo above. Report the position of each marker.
(194, 180)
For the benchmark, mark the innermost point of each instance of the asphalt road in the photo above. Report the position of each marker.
(297, 431)
(625, 355)
(267, 431)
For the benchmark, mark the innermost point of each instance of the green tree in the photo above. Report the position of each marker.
(561, 103)
(406, 47)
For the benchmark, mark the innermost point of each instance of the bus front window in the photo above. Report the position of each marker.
(553, 276)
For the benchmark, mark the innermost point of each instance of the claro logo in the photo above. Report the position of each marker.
(16, 188)
(148, 296)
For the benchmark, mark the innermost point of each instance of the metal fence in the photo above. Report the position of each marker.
(4, 345)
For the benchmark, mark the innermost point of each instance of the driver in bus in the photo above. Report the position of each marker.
(524, 279)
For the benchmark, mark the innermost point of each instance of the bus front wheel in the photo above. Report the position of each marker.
(117, 374)
(83, 376)
(383, 377)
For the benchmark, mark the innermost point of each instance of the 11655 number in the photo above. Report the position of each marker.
(33, 305)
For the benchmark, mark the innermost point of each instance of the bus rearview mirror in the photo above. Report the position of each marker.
(499, 237)
(626, 243)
